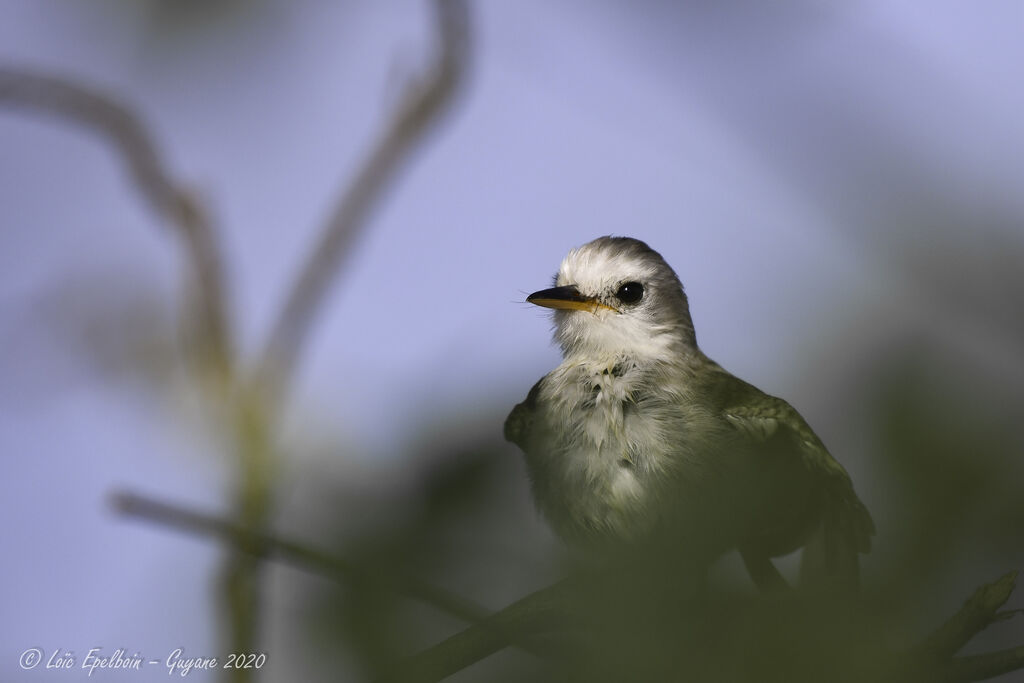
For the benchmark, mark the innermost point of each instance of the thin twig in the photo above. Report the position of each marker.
(266, 545)
(420, 107)
(113, 120)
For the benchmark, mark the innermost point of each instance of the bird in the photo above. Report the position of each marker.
(638, 439)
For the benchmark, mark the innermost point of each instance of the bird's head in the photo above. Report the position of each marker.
(616, 295)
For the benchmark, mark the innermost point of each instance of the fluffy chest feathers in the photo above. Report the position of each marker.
(602, 446)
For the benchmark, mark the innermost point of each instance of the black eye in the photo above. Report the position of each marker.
(630, 292)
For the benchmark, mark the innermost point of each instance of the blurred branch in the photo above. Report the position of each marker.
(516, 624)
(261, 545)
(255, 406)
(979, 612)
(981, 667)
(113, 120)
(540, 611)
(242, 599)
(265, 545)
(421, 105)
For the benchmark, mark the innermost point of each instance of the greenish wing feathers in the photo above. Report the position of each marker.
(761, 416)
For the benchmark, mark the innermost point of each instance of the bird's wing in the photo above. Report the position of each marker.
(846, 525)
(519, 422)
(766, 416)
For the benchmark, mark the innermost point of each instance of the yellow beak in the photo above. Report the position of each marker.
(567, 298)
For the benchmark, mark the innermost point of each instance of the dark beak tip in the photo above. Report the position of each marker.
(566, 293)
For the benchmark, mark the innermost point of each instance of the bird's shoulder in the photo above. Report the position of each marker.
(763, 418)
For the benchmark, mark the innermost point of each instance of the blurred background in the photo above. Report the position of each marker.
(839, 187)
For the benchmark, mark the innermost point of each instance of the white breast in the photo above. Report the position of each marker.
(607, 443)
